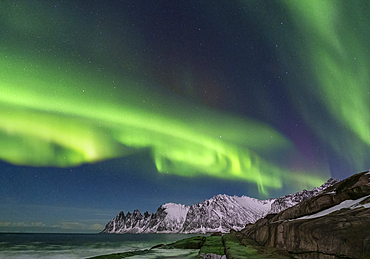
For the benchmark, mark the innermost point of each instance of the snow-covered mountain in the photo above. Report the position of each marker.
(169, 218)
(290, 200)
(222, 213)
(218, 214)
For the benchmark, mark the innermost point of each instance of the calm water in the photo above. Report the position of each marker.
(86, 245)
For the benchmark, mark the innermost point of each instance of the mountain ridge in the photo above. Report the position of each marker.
(221, 213)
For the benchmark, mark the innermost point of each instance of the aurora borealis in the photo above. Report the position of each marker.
(52, 123)
(178, 101)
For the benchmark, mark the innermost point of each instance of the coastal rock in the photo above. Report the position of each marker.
(212, 256)
(333, 224)
(187, 243)
(212, 248)
(248, 248)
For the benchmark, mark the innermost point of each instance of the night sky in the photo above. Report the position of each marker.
(131, 104)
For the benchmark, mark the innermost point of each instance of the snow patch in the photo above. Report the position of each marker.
(347, 204)
(366, 206)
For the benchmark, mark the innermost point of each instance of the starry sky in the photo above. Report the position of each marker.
(132, 104)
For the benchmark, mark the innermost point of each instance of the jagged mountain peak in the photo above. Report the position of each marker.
(290, 200)
(217, 214)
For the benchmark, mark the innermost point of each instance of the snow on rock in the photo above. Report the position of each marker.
(176, 211)
(174, 218)
(222, 213)
(347, 204)
(169, 218)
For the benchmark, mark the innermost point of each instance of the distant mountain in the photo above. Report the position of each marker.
(222, 213)
(218, 214)
(169, 218)
(290, 200)
(333, 224)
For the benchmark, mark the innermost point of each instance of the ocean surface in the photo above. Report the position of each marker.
(24, 245)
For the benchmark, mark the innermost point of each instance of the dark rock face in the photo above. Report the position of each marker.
(341, 230)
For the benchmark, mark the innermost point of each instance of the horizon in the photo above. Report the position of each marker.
(23, 229)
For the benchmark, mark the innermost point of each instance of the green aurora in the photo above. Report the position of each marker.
(53, 115)
(56, 111)
(332, 39)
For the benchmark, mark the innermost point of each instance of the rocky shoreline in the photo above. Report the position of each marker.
(213, 247)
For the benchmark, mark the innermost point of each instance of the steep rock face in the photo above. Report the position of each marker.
(333, 224)
(174, 219)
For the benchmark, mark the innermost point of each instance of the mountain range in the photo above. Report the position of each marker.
(217, 214)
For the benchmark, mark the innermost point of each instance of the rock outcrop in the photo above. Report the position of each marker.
(333, 224)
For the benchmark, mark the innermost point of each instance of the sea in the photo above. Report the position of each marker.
(50, 245)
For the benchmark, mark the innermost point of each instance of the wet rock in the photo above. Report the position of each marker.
(188, 243)
(212, 256)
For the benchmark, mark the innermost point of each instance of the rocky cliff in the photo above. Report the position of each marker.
(333, 224)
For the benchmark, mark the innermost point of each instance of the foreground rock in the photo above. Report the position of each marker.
(159, 251)
(236, 248)
(333, 224)
(210, 247)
